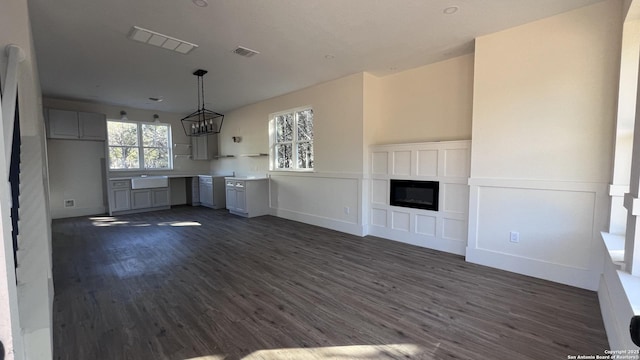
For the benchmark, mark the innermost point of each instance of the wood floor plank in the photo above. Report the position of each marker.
(195, 282)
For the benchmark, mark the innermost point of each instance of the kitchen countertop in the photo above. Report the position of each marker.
(170, 176)
(245, 178)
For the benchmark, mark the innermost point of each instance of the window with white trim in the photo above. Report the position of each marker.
(291, 140)
(139, 145)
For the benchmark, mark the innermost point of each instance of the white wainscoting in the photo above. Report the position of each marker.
(447, 162)
(559, 226)
(330, 200)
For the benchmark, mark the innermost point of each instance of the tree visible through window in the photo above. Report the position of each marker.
(137, 146)
(292, 140)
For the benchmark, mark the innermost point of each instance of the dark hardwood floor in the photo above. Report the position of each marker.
(194, 282)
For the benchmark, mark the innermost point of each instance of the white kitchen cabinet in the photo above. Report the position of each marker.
(119, 195)
(206, 191)
(63, 124)
(212, 191)
(231, 195)
(193, 191)
(204, 147)
(248, 197)
(140, 199)
(92, 126)
(150, 198)
(241, 198)
(73, 125)
(160, 197)
(124, 200)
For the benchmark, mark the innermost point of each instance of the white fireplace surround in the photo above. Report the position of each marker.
(447, 162)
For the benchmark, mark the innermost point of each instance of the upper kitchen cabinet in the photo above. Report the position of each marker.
(92, 126)
(65, 124)
(204, 147)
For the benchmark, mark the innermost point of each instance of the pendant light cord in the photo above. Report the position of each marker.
(202, 90)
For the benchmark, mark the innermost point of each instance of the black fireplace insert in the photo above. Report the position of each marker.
(414, 194)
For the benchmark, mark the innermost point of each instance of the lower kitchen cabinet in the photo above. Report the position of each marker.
(212, 191)
(140, 199)
(119, 195)
(124, 200)
(160, 197)
(247, 197)
(149, 198)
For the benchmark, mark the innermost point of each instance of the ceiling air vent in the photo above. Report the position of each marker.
(243, 51)
(164, 41)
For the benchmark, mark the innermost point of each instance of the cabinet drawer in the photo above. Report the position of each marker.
(120, 184)
(230, 183)
(239, 184)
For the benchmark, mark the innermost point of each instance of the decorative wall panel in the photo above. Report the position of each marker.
(446, 162)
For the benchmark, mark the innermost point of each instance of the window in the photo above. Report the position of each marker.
(291, 139)
(139, 146)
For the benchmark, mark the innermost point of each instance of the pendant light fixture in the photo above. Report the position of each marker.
(202, 121)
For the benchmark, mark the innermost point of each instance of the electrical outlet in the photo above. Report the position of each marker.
(69, 203)
(347, 210)
(514, 237)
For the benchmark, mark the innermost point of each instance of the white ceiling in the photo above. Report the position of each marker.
(83, 51)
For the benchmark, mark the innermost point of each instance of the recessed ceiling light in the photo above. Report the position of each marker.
(200, 3)
(451, 10)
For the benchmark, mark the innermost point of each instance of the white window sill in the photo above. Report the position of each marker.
(631, 284)
(615, 247)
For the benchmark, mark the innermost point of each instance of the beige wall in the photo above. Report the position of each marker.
(337, 113)
(545, 97)
(429, 103)
(372, 113)
(77, 172)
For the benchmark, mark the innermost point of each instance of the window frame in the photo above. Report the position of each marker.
(140, 147)
(294, 142)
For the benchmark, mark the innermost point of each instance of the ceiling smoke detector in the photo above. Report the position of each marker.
(246, 52)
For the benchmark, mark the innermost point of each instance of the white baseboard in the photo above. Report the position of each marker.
(59, 213)
(582, 278)
(333, 224)
(450, 246)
